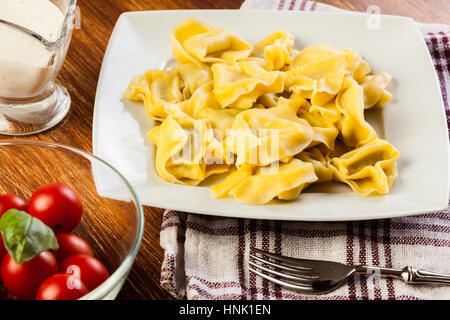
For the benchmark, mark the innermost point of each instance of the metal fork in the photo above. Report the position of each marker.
(319, 276)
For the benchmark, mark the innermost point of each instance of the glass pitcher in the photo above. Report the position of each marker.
(34, 39)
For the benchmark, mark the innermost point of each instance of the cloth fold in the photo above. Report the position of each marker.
(206, 257)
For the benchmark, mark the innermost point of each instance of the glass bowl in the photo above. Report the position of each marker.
(113, 226)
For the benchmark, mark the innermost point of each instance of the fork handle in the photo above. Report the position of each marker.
(407, 274)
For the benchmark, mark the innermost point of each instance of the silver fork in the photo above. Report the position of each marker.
(320, 276)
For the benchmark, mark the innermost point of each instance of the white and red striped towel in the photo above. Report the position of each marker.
(206, 257)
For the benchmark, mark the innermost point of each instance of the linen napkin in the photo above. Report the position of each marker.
(206, 257)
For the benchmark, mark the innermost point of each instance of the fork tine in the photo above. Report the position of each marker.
(280, 282)
(291, 262)
(281, 266)
(301, 279)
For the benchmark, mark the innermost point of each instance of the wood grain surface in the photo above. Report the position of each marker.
(80, 74)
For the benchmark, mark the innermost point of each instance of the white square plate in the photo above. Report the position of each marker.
(414, 121)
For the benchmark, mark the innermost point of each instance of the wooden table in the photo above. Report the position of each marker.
(81, 71)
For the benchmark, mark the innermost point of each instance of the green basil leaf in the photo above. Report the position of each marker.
(25, 236)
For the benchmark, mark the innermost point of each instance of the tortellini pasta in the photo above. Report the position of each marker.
(197, 42)
(322, 170)
(192, 77)
(275, 50)
(355, 130)
(264, 136)
(321, 71)
(184, 149)
(370, 169)
(375, 93)
(251, 184)
(240, 85)
(272, 118)
(160, 92)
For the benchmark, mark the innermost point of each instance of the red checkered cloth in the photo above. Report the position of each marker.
(206, 257)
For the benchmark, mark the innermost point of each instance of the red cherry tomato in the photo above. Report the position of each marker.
(7, 202)
(61, 286)
(90, 270)
(57, 205)
(5, 295)
(11, 201)
(3, 251)
(69, 245)
(23, 280)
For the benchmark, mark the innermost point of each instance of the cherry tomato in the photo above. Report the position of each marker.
(61, 286)
(69, 245)
(57, 205)
(90, 270)
(11, 201)
(5, 295)
(7, 202)
(23, 280)
(2, 248)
